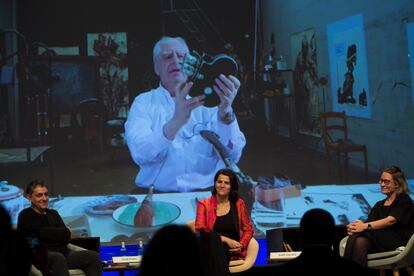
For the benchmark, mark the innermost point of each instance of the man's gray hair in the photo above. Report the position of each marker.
(164, 40)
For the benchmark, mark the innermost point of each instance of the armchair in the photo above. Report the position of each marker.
(73, 272)
(237, 266)
(402, 257)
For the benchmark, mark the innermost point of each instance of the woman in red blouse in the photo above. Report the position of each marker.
(226, 214)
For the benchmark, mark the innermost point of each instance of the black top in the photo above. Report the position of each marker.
(400, 232)
(224, 226)
(49, 228)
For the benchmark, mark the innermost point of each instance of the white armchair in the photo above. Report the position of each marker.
(237, 266)
(401, 257)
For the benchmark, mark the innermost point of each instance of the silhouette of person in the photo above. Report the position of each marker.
(174, 251)
(317, 232)
(15, 254)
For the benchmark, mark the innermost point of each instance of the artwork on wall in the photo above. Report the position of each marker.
(111, 50)
(306, 81)
(348, 67)
(57, 84)
(410, 39)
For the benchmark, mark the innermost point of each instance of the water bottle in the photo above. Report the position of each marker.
(141, 248)
(123, 250)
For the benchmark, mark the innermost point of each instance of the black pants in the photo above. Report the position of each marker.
(87, 260)
(215, 254)
(358, 247)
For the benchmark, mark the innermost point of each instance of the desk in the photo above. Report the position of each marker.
(344, 202)
(105, 227)
(9, 156)
(23, 156)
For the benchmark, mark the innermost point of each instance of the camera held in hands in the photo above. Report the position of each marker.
(203, 70)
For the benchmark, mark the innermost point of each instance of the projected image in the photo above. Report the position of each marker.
(125, 189)
(120, 160)
(103, 188)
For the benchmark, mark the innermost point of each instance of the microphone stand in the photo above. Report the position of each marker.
(246, 182)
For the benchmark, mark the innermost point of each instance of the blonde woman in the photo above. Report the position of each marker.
(388, 223)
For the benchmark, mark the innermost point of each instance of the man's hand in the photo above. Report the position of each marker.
(183, 108)
(226, 88)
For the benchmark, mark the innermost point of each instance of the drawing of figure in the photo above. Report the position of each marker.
(347, 95)
(306, 80)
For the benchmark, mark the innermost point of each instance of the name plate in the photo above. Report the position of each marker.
(284, 256)
(126, 259)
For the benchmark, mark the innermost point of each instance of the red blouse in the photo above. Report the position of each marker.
(206, 217)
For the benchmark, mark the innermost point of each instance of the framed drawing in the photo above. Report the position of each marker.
(348, 67)
(71, 79)
(55, 87)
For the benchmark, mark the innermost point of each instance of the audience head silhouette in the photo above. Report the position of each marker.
(5, 223)
(174, 250)
(15, 254)
(317, 226)
(317, 229)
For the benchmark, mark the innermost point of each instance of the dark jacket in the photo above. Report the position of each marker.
(49, 228)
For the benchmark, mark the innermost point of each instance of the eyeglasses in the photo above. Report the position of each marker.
(385, 181)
